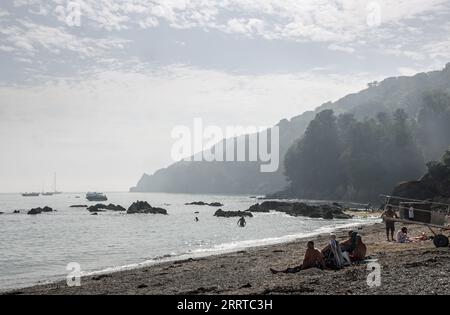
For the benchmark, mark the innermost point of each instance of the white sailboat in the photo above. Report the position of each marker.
(55, 192)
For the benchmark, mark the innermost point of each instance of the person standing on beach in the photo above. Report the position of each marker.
(388, 215)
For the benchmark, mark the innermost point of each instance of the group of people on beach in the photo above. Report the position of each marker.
(334, 255)
(389, 217)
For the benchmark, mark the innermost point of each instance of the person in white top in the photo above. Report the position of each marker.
(402, 235)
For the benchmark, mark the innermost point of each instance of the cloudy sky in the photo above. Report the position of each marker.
(96, 102)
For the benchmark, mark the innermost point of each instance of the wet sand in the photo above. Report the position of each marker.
(413, 268)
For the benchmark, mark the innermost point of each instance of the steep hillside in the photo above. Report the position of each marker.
(245, 177)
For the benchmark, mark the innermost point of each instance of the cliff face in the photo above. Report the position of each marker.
(246, 178)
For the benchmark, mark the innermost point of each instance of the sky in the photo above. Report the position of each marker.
(91, 89)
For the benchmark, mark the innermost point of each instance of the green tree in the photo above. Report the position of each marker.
(312, 164)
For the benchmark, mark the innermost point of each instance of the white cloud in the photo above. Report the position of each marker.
(27, 38)
(340, 25)
(245, 26)
(341, 48)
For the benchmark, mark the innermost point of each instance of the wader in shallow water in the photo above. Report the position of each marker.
(242, 222)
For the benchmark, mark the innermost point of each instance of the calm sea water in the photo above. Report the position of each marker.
(35, 249)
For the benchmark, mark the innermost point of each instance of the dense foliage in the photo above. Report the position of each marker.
(341, 157)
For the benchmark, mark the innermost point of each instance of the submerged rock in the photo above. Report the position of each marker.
(216, 204)
(144, 207)
(229, 214)
(202, 203)
(16, 211)
(302, 209)
(196, 203)
(78, 206)
(101, 207)
(39, 210)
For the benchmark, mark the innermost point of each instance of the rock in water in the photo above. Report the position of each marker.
(196, 203)
(101, 207)
(202, 203)
(78, 206)
(144, 207)
(216, 204)
(40, 210)
(35, 211)
(302, 209)
(229, 214)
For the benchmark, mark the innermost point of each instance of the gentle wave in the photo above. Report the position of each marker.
(231, 247)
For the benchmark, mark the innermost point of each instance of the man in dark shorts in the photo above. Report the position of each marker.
(388, 215)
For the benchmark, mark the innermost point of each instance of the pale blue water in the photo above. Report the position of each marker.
(38, 248)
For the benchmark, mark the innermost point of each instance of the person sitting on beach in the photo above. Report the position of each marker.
(333, 254)
(422, 237)
(241, 222)
(388, 215)
(354, 246)
(402, 235)
(313, 259)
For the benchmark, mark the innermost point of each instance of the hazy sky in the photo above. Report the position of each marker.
(96, 103)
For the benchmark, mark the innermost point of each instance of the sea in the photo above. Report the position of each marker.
(37, 249)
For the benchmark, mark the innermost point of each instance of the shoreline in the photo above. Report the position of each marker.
(207, 252)
(418, 268)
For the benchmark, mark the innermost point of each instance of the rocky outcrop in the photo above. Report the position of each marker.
(301, 209)
(202, 203)
(416, 189)
(433, 186)
(229, 214)
(16, 211)
(101, 207)
(144, 207)
(40, 210)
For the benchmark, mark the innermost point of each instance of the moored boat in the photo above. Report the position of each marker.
(32, 194)
(95, 196)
